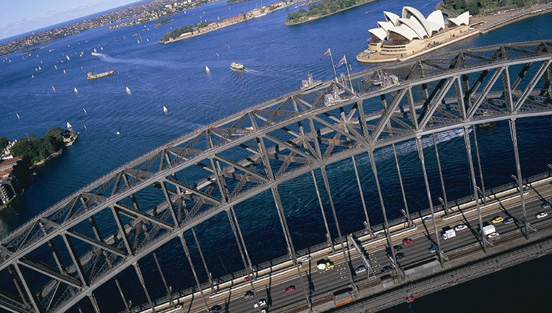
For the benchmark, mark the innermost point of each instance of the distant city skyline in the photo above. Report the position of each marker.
(18, 17)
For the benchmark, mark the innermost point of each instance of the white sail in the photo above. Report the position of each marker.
(95, 50)
(67, 57)
(32, 76)
(117, 133)
(53, 88)
(165, 110)
(128, 91)
(76, 91)
(55, 66)
(64, 72)
(85, 112)
(69, 125)
(19, 118)
(207, 69)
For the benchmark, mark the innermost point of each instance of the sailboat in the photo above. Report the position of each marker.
(85, 112)
(117, 133)
(19, 118)
(64, 72)
(32, 76)
(207, 69)
(76, 91)
(165, 110)
(55, 66)
(128, 91)
(53, 88)
(67, 57)
(69, 126)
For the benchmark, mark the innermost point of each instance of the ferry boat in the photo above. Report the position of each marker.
(309, 83)
(91, 76)
(237, 66)
(69, 135)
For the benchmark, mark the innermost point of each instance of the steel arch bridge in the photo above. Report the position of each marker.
(211, 170)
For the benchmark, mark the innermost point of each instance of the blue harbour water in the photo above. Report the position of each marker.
(277, 58)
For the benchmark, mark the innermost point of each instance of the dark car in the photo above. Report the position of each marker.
(509, 220)
(433, 248)
(386, 269)
(215, 309)
(397, 248)
(400, 256)
(249, 295)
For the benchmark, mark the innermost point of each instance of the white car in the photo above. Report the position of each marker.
(542, 214)
(493, 235)
(360, 269)
(259, 304)
(306, 258)
(460, 227)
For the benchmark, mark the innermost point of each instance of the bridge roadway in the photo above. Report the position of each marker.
(271, 286)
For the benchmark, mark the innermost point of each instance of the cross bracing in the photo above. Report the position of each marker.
(174, 188)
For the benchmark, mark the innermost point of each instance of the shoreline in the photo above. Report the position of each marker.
(482, 24)
(312, 19)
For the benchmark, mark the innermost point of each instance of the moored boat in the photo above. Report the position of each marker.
(237, 66)
(91, 76)
(309, 83)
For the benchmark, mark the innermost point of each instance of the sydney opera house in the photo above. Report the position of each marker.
(401, 38)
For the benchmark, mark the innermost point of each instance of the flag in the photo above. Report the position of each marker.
(326, 54)
(341, 62)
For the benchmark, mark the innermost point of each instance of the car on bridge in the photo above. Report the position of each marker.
(386, 269)
(497, 219)
(400, 256)
(215, 309)
(249, 295)
(259, 304)
(397, 248)
(432, 249)
(460, 227)
(509, 220)
(360, 269)
(541, 215)
(407, 241)
(306, 258)
(546, 205)
(428, 219)
(493, 235)
(289, 289)
(248, 278)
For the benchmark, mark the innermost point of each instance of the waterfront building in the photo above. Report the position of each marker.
(403, 37)
(10, 170)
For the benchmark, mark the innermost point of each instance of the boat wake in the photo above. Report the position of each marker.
(248, 70)
(144, 62)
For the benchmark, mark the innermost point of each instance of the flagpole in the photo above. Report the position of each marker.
(333, 65)
(349, 74)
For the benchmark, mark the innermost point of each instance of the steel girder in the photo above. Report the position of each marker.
(168, 191)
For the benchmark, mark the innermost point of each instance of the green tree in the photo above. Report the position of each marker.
(4, 142)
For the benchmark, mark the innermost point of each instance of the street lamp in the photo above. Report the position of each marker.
(444, 205)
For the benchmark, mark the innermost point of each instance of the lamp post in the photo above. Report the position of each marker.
(517, 180)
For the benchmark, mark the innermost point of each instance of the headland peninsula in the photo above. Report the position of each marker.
(139, 13)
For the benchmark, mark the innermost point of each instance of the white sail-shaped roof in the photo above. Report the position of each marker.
(462, 19)
(391, 17)
(404, 31)
(436, 20)
(378, 32)
(407, 12)
(385, 25)
(415, 26)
